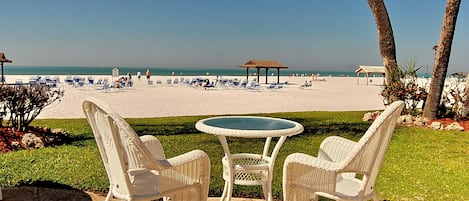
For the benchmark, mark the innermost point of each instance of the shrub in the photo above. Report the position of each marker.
(453, 99)
(414, 94)
(406, 89)
(21, 104)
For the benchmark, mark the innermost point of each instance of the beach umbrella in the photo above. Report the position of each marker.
(3, 59)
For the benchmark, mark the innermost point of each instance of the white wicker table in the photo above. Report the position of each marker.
(249, 168)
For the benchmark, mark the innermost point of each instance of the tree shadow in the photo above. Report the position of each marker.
(44, 191)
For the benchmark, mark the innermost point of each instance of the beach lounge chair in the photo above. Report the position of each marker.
(222, 83)
(137, 167)
(91, 80)
(209, 85)
(306, 85)
(194, 81)
(42, 82)
(99, 81)
(254, 85)
(47, 79)
(80, 83)
(32, 82)
(187, 82)
(69, 80)
(106, 84)
(150, 82)
(51, 82)
(243, 84)
(333, 173)
(56, 79)
(275, 86)
(19, 82)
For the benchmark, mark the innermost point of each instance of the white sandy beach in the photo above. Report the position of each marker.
(143, 100)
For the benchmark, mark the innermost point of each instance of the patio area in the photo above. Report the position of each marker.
(28, 193)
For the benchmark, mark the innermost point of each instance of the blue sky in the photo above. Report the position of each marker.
(303, 34)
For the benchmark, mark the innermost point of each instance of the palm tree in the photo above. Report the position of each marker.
(443, 50)
(386, 43)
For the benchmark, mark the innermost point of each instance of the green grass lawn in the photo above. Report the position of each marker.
(421, 164)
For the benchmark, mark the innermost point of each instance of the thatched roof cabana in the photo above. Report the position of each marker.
(265, 64)
(368, 70)
(3, 59)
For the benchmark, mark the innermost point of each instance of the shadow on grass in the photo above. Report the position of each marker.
(310, 128)
(166, 129)
(12, 140)
(43, 191)
(333, 128)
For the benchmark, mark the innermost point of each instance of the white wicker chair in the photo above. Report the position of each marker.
(333, 173)
(137, 167)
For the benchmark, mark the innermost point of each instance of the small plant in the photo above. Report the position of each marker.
(410, 70)
(407, 89)
(21, 104)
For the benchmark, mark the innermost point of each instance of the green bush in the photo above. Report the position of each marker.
(409, 92)
(407, 89)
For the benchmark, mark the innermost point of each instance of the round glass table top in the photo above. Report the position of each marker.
(244, 123)
(249, 126)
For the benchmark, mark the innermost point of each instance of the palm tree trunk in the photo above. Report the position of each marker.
(441, 60)
(386, 42)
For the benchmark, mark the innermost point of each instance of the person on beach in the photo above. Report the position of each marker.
(206, 83)
(306, 84)
(139, 75)
(129, 79)
(120, 83)
(148, 74)
(129, 75)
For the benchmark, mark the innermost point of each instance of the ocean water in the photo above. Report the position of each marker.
(72, 70)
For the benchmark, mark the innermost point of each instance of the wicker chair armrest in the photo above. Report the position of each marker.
(310, 172)
(191, 156)
(335, 148)
(188, 168)
(195, 164)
